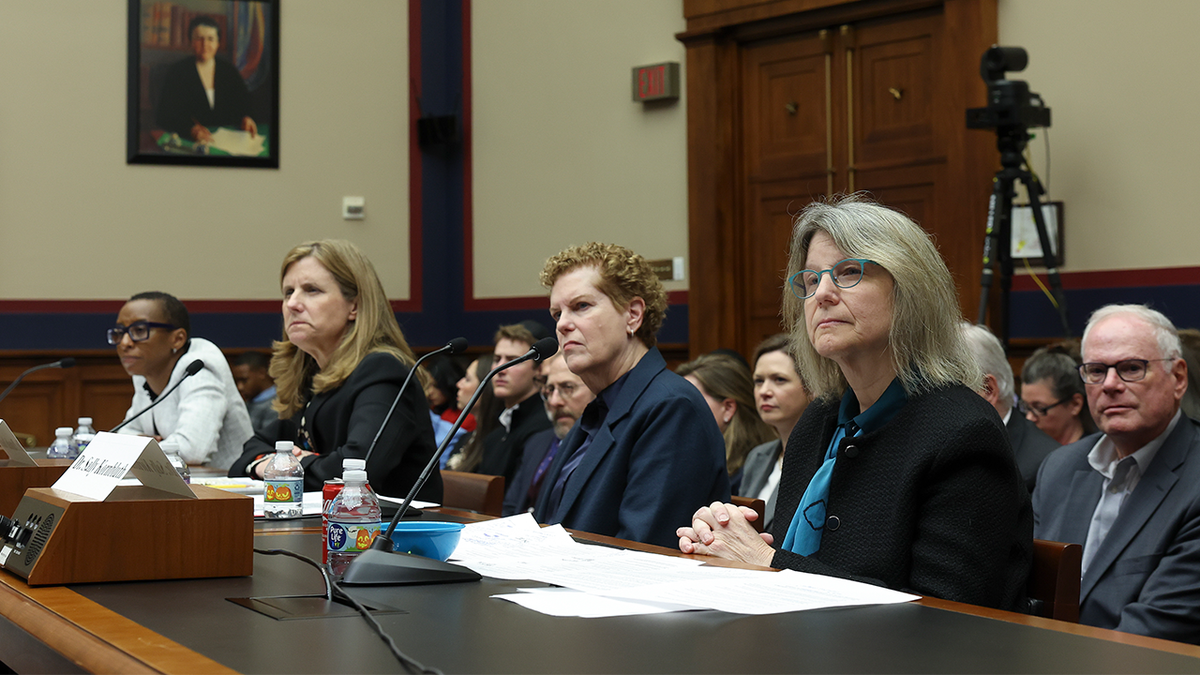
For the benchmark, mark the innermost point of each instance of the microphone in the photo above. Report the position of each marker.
(380, 566)
(193, 368)
(61, 363)
(455, 346)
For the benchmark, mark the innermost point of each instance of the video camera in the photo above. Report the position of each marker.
(1010, 103)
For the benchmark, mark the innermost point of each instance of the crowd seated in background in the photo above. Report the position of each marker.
(646, 452)
(898, 473)
(566, 397)
(338, 370)
(254, 383)
(1053, 396)
(205, 416)
(440, 381)
(1030, 445)
(728, 390)
(781, 397)
(523, 414)
(1131, 494)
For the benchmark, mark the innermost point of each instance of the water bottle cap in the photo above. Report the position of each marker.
(170, 447)
(354, 476)
(64, 431)
(85, 421)
(283, 446)
(351, 464)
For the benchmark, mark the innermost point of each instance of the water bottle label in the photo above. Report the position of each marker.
(290, 491)
(351, 537)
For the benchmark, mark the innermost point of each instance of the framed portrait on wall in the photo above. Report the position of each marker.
(203, 83)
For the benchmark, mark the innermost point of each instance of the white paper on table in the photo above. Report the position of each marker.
(767, 593)
(13, 448)
(566, 602)
(237, 142)
(106, 460)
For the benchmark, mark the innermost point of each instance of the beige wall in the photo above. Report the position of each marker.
(562, 154)
(1121, 79)
(111, 229)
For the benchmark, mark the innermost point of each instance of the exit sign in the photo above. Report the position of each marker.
(659, 82)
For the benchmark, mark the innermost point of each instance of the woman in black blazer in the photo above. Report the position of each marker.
(337, 371)
(898, 473)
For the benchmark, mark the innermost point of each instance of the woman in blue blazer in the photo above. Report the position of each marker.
(646, 451)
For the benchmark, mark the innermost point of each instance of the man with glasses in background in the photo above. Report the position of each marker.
(1131, 494)
(206, 415)
(565, 396)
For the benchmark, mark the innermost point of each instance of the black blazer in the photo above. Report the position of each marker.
(342, 423)
(930, 503)
(184, 103)
(502, 449)
(1030, 445)
(516, 492)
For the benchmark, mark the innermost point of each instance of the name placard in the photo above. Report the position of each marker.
(109, 457)
(13, 448)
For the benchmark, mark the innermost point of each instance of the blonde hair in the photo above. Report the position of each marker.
(928, 348)
(723, 377)
(374, 328)
(624, 275)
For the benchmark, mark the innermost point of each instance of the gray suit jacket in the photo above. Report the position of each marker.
(755, 472)
(1030, 445)
(1145, 577)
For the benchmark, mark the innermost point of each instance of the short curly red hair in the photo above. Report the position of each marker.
(624, 275)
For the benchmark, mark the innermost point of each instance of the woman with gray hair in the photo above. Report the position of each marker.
(898, 473)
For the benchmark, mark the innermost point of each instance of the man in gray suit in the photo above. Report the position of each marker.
(1030, 444)
(1131, 494)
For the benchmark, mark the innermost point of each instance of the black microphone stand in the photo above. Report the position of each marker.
(380, 565)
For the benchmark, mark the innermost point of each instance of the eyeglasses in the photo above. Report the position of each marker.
(1025, 407)
(564, 389)
(137, 331)
(1130, 370)
(845, 274)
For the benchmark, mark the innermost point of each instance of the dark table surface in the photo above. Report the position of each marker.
(460, 628)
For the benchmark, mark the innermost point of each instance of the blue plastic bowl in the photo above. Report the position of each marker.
(429, 539)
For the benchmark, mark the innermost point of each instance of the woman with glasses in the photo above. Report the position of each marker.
(897, 473)
(205, 415)
(1053, 397)
(338, 370)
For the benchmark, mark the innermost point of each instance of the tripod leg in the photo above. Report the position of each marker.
(1001, 185)
(1049, 259)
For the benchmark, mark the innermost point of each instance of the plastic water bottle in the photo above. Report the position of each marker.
(171, 450)
(330, 490)
(354, 520)
(283, 489)
(62, 447)
(83, 435)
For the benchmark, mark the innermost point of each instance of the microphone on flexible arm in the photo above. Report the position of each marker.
(61, 363)
(193, 368)
(379, 565)
(455, 346)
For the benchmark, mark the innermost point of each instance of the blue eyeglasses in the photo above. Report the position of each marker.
(845, 274)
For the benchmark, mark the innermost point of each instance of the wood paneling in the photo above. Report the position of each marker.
(789, 101)
(97, 387)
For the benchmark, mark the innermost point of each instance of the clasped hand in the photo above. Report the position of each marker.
(724, 531)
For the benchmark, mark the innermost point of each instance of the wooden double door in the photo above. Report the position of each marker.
(871, 103)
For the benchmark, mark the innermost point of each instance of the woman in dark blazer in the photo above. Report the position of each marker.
(898, 473)
(646, 451)
(337, 371)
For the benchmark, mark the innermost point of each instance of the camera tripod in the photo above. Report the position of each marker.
(997, 245)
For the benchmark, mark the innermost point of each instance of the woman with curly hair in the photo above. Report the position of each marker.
(646, 451)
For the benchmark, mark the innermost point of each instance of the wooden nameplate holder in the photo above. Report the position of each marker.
(138, 533)
(16, 478)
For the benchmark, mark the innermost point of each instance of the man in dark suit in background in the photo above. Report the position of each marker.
(566, 397)
(523, 414)
(1030, 444)
(1131, 494)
